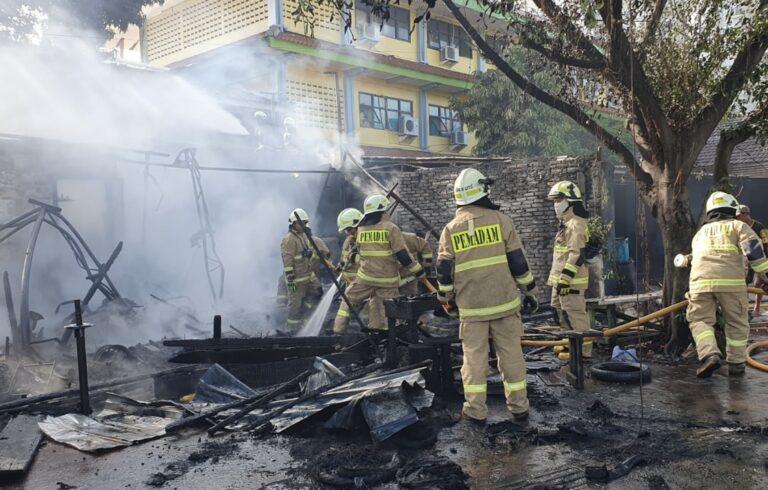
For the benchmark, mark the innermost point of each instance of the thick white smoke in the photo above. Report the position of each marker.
(65, 91)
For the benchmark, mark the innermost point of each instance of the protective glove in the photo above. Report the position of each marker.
(763, 277)
(563, 288)
(530, 304)
(290, 286)
(445, 297)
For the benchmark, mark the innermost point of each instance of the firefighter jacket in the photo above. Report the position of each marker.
(350, 259)
(482, 262)
(297, 253)
(421, 252)
(717, 264)
(382, 247)
(568, 265)
(317, 264)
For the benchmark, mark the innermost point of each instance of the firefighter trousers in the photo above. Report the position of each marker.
(506, 333)
(282, 293)
(701, 313)
(572, 312)
(358, 294)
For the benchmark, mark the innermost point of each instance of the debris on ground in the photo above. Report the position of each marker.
(19, 442)
(121, 423)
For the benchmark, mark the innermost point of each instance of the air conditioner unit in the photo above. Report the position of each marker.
(369, 33)
(449, 54)
(460, 138)
(408, 126)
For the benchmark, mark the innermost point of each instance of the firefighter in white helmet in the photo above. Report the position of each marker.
(481, 265)
(569, 276)
(347, 222)
(382, 250)
(297, 255)
(717, 279)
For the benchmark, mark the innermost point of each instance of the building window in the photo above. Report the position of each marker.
(441, 34)
(397, 25)
(443, 121)
(383, 112)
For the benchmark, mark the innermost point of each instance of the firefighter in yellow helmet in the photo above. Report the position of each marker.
(421, 251)
(569, 276)
(347, 222)
(382, 251)
(297, 269)
(481, 265)
(717, 278)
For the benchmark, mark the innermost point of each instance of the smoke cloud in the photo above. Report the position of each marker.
(90, 115)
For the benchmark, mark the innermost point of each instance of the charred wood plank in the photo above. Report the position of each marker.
(19, 442)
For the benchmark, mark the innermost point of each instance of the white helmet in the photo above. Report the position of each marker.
(566, 189)
(374, 203)
(470, 186)
(348, 218)
(302, 214)
(720, 200)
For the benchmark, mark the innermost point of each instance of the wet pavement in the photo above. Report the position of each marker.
(692, 433)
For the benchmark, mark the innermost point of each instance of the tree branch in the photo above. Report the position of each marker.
(559, 58)
(743, 66)
(626, 70)
(572, 32)
(653, 22)
(570, 110)
(731, 137)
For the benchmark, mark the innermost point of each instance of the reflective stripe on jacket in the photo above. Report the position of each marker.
(350, 259)
(477, 241)
(296, 265)
(568, 254)
(717, 254)
(421, 253)
(377, 245)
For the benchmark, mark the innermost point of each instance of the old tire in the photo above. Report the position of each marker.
(621, 372)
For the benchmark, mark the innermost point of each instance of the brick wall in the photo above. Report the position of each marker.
(521, 188)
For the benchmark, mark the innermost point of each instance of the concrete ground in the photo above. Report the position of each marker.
(693, 434)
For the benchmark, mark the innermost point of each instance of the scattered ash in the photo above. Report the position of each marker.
(600, 410)
(657, 482)
(432, 472)
(211, 451)
(354, 466)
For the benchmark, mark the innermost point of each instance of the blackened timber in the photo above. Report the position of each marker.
(263, 342)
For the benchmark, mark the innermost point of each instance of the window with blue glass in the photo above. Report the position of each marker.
(379, 112)
(443, 121)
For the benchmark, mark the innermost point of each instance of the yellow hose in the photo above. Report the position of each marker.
(753, 363)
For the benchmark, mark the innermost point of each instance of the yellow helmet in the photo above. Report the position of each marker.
(348, 218)
(302, 215)
(566, 189)
(375, 203)
(720, 200)
(470, 186)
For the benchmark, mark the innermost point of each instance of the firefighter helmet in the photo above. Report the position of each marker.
(565, 189)
(721, 200)
(302, 215)
(348, 218)
(470, 186)
(375, 203)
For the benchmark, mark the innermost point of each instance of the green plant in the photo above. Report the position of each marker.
(599, 232)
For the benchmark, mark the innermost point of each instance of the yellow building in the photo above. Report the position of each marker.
(386, 84)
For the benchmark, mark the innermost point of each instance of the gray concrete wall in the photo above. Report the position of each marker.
(521, 188)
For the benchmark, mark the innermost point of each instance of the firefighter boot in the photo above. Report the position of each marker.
(709, 365)
(736, 369)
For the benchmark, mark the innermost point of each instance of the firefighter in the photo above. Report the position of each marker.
(347, 221)
(297, 268)
(481, 265)
(420, 250)
(569, 276)
(717, 279)
(382, 250)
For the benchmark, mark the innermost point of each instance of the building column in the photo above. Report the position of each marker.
(350, 101)
(423, 119)
(275, 13)
(480, 63)
(421, 41)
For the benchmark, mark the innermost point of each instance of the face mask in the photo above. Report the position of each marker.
(561, 207)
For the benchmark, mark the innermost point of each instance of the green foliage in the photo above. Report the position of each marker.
(508, 122)
(20, 18)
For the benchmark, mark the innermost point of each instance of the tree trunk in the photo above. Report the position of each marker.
(672, 211)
